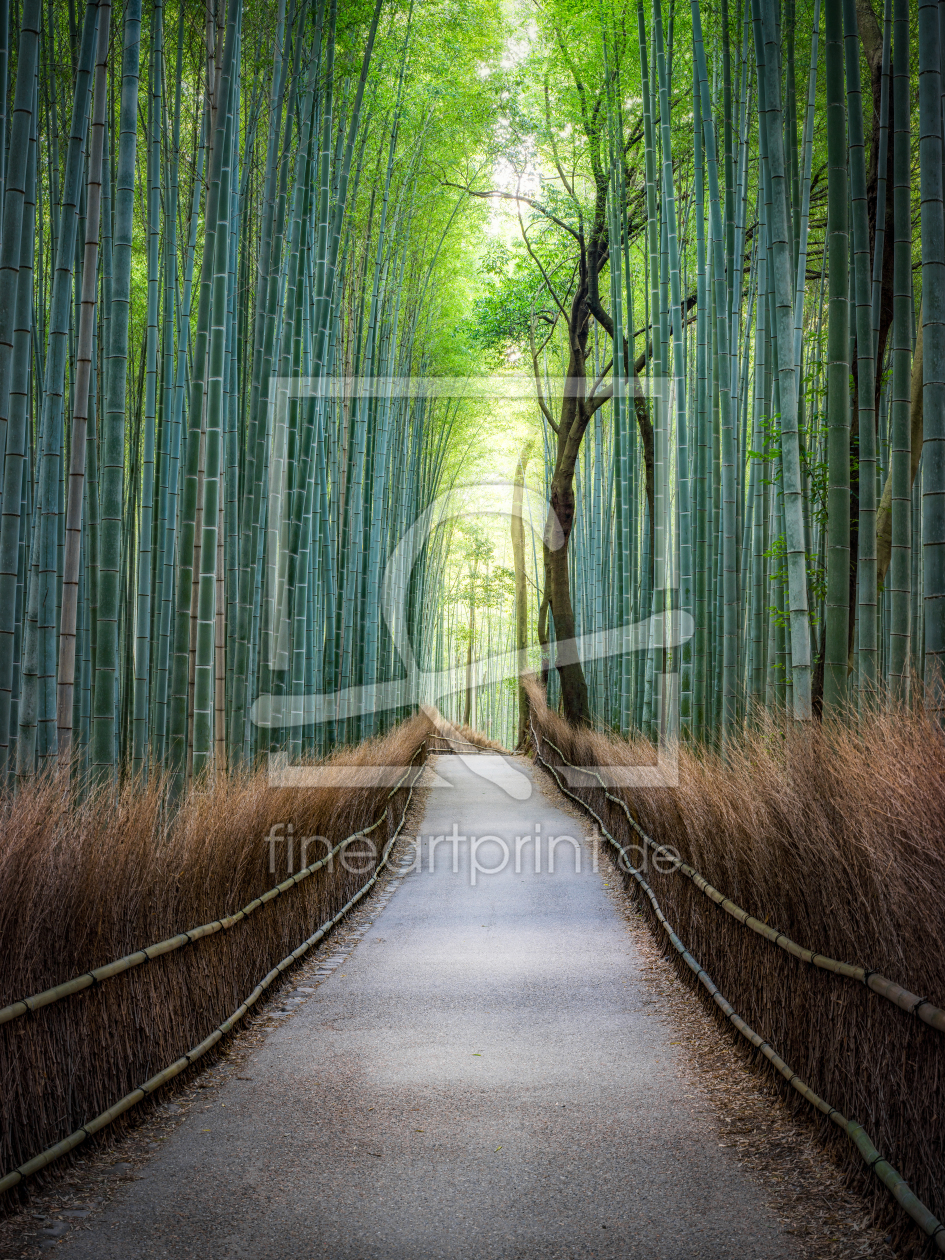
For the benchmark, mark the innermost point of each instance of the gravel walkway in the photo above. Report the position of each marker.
(486, 1076)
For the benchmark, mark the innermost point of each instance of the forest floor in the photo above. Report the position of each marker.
(504, 1068)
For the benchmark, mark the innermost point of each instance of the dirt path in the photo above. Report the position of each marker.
(488, 1074)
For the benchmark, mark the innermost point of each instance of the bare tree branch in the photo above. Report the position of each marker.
(545, 410)
(506, 196)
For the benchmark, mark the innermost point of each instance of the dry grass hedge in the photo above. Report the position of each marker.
(82, 885)
(837, 837)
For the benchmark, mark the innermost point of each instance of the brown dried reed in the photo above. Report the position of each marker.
(835, 835)
(84, 883)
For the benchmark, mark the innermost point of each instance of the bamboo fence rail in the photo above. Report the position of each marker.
(98, 974)
(872, 1157)
(145, 1090)
(889, 989)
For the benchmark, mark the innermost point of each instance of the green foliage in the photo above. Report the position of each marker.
(776, 555)
(513, 300)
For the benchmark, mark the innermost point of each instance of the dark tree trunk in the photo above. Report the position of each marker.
(871, 37)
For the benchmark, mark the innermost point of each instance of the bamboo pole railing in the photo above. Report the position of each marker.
(105, 1118)
(874, 1160)
(99, 974)
(889, 989)
(448, 739)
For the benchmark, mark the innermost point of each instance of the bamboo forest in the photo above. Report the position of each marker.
(185, 224)
(537, 400)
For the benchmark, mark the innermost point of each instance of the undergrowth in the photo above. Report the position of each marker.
(84, 883)
(836, 836)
